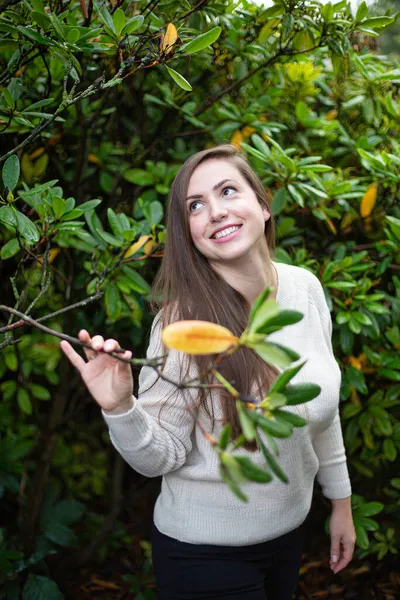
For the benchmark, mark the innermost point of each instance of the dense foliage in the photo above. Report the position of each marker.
(99, 106)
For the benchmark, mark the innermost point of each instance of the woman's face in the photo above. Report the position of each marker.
(226, 221)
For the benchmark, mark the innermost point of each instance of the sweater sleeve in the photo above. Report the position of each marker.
(332, 475)
(154, 436)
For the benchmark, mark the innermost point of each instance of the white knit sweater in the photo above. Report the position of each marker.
(194, 505)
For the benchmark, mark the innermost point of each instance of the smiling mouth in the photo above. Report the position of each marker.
(225, 232)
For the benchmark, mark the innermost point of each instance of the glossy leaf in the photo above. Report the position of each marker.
(198, 337)
(202, 41)
(11, 172)
(179, 79)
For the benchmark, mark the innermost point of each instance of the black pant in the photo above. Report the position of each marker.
(265, 571)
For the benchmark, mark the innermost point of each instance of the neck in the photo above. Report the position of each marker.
(249, 275)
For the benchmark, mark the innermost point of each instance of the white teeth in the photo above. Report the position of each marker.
(226, 232)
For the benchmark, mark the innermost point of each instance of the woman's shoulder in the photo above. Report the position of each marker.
(300, 279)
(299, 275)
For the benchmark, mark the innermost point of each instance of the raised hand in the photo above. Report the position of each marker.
(108, 379)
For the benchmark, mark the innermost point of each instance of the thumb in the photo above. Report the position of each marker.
(335, 549)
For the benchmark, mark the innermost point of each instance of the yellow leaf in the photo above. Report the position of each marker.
(355, 362)
(52, 254)
(248, 131)
(237, 139)
(149, 246)
(36, 153)
(169, 39)
(94, 159)
(198, 337)
(346, 221)
(136, 246)
(332, 114)
(368, 201)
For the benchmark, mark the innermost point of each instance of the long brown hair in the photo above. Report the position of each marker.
(191, 289)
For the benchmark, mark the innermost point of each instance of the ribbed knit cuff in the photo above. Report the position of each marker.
(335, 481)
(128, 427)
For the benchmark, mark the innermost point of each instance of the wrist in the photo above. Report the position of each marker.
(122, 408)
(341, 504)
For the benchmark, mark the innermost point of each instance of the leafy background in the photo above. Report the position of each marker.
(100, 104)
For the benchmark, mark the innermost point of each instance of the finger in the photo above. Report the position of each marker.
(97, 342)
(84, 336)
(335, 549)
(110, 345)
(73, 356)
(345, 558)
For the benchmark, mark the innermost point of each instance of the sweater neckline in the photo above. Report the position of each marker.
(279, 282)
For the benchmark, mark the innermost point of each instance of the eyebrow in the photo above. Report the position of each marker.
(215, 187)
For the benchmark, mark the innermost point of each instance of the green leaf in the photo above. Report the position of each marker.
(139, 177)
(11, 171)
(106, 17)
(113, 302)
(179, 79)
(137, 282)
(276, 400)
(72, 214)
(301, 392)
(119, 21)
(89, 205)
(225, 436)
(9, 99)
(38, 587)
(132, 25)
(289, 417)
(361, 536)
(59, 534)
(370, 508)
(248, 428)
(38, 5)
(296, 195)
(275, 354)
(278, 321)
(58, 206)
(264, 311)
(272, 426)
(284, 378)
(8, 216)
(34, 35)
(114, 222)
(394, 225)
(279, 201)
(362, 11)
(271, 462)
(10, 249)
(389, 449)
(341, 285)
(39, 392)
(26, 228)
(24, 402)
(258, 302)
(73, 36)
(377, 22)
(252, 471)
(110, 239)
(202, 41)
(154, 212)
(231, 482)
(362, 318)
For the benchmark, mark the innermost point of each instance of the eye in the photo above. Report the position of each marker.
(192, 205)
(228, 188)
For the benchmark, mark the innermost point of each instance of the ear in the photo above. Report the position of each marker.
(266, 213)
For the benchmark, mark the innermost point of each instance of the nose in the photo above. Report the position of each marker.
(217, 211)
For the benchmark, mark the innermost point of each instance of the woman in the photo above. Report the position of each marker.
(207, 543)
